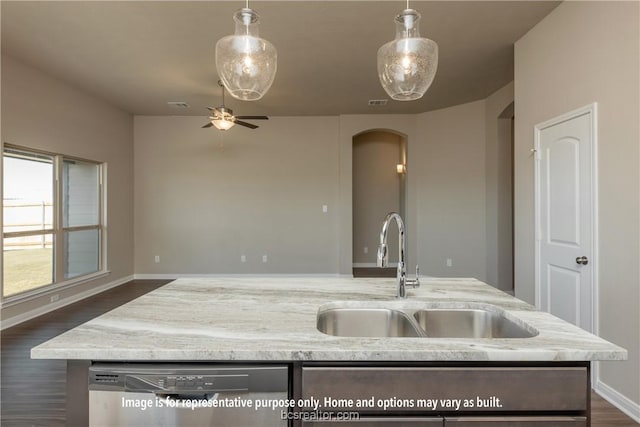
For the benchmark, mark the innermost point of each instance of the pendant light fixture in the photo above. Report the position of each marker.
(245, 62)
(407, 65)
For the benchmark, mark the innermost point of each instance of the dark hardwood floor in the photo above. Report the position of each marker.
(33, 392)
(374, 272)
(605, 414)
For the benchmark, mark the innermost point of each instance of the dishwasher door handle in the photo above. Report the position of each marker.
(179, 397)
(207, 396)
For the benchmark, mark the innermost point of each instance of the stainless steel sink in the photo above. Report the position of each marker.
(439, 322)
(469, 323)
(366, 322)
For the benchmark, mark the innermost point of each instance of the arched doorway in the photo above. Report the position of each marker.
(379, 187)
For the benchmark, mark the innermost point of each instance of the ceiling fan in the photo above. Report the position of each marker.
(223, 119)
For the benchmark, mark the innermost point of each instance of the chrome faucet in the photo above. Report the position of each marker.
(383, 256)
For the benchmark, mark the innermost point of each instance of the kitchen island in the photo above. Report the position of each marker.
(273, 320)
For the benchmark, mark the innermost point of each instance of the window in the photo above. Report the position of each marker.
(53, 227)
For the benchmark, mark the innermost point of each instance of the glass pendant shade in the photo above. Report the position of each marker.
(407, 65)
(245, 62)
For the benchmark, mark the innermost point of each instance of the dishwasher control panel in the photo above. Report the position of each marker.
(176, 378)
(181, 383)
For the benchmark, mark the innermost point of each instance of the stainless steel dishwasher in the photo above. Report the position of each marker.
(187, 395)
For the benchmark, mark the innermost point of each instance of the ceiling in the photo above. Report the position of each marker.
(138, 55)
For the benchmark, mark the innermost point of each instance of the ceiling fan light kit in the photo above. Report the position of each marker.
(223, 124)
(246, 63)
(408, 64)
(223, 119)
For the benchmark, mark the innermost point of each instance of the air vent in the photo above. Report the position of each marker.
(178, 104)
(106, 378)
(377, 102)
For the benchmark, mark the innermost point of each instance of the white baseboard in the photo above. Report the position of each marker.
(372, 265)
(155, 276)
(195, 276)
(47, 308)
(618, 400)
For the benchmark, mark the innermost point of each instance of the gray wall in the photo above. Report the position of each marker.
(451, 190)
(586, 52)
(376, 192)
(200, 206)
(44, 113)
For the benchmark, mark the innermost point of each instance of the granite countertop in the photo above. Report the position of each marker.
(274, 319)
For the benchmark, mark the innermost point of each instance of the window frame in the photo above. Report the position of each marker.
(58, 229)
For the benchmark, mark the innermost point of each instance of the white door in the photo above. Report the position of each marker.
(565, 177)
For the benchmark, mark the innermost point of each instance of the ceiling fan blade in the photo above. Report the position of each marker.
(208, 125)
(210, 108)
(245, 124)
(253, 117)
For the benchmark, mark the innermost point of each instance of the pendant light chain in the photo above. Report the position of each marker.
(246, 6)
(222, 87)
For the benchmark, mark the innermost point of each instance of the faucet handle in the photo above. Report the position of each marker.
(414, 283)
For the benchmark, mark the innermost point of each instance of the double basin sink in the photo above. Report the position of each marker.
(485, 321)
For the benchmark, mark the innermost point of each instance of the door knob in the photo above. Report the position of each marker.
(582, 260)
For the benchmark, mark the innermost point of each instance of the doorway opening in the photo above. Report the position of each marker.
(379, 187)
(505, 201)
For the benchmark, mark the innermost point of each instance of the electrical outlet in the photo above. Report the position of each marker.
(264, 258)
(55, 298)
(325, 208)
(449, 262)
(366, 249)
(157, 259)
(243, 258)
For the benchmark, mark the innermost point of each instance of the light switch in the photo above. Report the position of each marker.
(325, 208)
